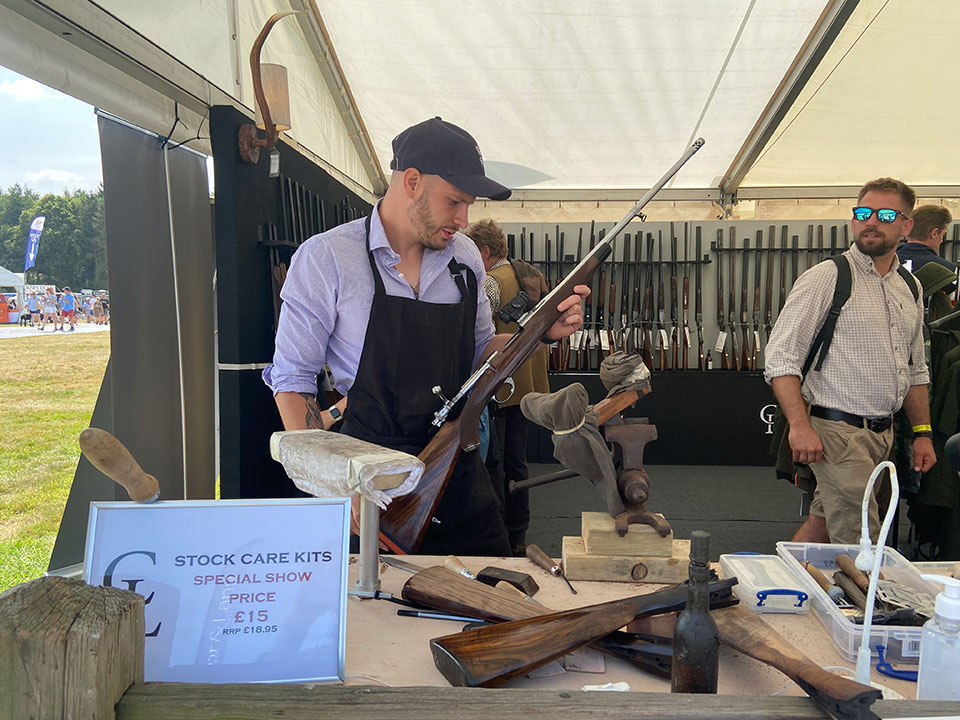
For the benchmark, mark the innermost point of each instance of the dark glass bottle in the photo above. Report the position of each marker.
(696, 641)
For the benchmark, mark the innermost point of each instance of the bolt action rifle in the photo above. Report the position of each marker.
(768, 304)
(757, 280)
(744, 305)
(732, 303)
(662, 338)
(685, 299)
(721, 319)
(698, 301)
(405, 521)
(674, 301)
(647, 313)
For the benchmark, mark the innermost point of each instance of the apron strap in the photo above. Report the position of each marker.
(457, 271)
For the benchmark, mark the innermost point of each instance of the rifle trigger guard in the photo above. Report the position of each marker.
(513, 388)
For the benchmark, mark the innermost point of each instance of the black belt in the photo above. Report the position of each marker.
(877, 425)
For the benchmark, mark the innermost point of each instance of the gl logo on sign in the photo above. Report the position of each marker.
(767, 414)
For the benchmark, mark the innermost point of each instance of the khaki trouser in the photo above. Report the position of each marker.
(849, 457)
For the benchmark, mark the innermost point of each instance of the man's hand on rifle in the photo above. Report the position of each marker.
(572, 314)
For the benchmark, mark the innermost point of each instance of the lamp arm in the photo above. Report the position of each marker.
(261, 98)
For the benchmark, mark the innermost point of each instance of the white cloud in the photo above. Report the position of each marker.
(25, 90)
(54, 180)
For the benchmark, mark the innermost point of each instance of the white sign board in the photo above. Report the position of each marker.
(236, 591)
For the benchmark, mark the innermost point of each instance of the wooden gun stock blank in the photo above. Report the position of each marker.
(443, 590)
(110, 457)
(490, 656)
(839, 696)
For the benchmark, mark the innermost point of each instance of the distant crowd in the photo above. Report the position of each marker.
(63, 309)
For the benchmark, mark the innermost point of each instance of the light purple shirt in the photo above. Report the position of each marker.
(328, 293)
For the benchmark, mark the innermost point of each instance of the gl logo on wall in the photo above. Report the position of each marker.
(767, 414)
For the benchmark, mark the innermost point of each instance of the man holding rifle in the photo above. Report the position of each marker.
(840, 413)
(390, 302)
(507, 456)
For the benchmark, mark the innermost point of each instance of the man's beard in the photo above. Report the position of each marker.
(428, 232)
(878, 245)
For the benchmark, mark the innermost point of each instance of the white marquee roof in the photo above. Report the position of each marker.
(565, 98)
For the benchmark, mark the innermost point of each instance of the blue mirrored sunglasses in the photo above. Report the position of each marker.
(884, 215)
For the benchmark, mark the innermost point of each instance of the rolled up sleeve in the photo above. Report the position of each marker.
(799, 321)
(307, 318)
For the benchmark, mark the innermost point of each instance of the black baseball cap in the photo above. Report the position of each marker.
(436, 147)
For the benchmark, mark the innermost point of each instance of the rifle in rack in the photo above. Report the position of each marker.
(732, 302)
(662, 338)
(698, 301)
(783, 269)
(674, 303)
(636, 310)
(626, 294)
(599, 331)
(794, 261)
(457, 421)
(647, 312)
(809, 248)
(820, 242)
(523, 243)
(757, 279)
(768, 309)
(511, 245)
(744, 300)
(612, 342)
(833, 241)
(563, 347)
(685, 298)
(721, 320)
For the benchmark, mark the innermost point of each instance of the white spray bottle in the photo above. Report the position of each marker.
(939, 676)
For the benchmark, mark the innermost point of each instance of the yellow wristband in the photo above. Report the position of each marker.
(921, 428)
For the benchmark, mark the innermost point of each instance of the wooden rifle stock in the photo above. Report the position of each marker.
(490, 656)
(839, 696)
(445, 590)
(405, 521)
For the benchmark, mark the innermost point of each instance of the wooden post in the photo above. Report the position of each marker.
(68, 649)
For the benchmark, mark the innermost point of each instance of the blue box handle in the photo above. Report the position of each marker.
(763, 594)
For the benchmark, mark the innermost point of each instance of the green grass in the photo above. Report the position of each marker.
(48, 389)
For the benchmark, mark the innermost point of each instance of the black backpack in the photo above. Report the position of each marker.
(801, 475)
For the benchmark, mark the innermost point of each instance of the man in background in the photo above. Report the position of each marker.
(923, 243)
(507, 458)
(840, 416)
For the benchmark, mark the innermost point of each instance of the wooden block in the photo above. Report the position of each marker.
(600, 538)
(68, 649)
(580, 565)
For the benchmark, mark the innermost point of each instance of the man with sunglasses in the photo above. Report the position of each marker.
(930, 224)
(840, 414)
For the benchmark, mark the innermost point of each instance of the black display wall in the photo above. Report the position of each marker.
(259, 221)
(702, 418)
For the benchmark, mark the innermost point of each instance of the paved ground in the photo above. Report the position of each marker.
(12, 330)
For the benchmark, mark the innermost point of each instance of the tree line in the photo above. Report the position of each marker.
(73, 247)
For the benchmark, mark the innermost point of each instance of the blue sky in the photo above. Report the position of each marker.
(52, 141)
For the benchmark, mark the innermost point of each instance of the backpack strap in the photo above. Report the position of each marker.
(910, 280)
(841, 293)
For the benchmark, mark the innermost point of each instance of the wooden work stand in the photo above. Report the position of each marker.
(641, 555)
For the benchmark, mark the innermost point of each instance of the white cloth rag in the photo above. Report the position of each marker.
(329, 464)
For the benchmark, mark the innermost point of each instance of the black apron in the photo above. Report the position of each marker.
(409, 347)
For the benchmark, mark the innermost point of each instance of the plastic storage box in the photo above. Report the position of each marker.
(764, 583)
(901, 643)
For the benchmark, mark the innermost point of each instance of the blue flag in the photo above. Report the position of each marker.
(33, 242)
